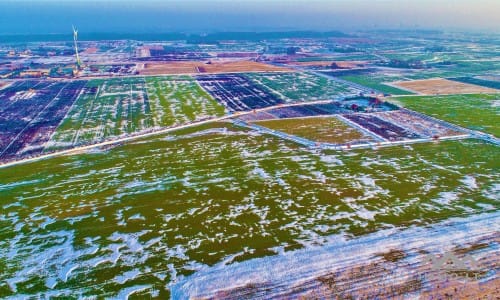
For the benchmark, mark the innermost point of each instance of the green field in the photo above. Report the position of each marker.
(300, 86)
(376, 82)
(111, 107)
(177, 100)
(477, 112)
(318, 129)
(121, 106)
(132, 218)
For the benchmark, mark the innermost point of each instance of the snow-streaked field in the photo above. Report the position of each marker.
(379, 265)
(117, 107)
(319, 129)
(473, 111)
(301, 86)
(132, 219)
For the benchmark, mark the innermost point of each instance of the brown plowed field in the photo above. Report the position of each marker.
(440, 86)
(192, 67)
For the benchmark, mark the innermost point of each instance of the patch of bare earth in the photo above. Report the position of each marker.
(394, 274)
(194, 67)
(441, 86)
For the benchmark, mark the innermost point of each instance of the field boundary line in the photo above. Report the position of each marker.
(33, 120)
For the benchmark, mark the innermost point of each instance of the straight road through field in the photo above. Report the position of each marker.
(154, 133)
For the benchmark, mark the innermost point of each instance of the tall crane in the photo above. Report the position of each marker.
(75, 39)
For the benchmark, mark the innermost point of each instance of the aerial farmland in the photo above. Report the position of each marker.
(285, 167)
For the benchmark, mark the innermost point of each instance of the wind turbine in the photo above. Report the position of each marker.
(75, 39)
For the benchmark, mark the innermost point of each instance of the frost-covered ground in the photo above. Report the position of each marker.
(132, 219)
(302, 86)
(385, 264)
(116, 107)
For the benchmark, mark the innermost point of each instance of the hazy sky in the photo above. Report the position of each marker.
(56, 16)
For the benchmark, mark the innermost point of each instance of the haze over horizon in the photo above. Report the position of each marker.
(134, 16)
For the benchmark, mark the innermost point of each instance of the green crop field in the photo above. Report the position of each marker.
(319, 129)
(122, 106)
(376, 82)
(177, 100)
(478, 112)
(113, 108)
(301, 86)
(131, 219)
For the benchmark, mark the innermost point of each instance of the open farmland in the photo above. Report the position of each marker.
(318, 129)
(240, 67)
(418, 124)
(298, 111)
(192, 67)
(301, 86)
(341, 64)
(169, 68)
(245, 166)
(132, 219)
(377, 83)
(386, 264)
(115, 107)
(236, 92)
(177, 100)
(106, 108)
(477, 112)
(30, 111)
(382, 128)
(489, 82)
(440, 86)
(350, 105)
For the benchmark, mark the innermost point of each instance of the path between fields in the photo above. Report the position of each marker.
(468, 134)
(154, 133)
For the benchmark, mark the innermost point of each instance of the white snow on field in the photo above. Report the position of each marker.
(260, 173)
(446, 198)
(493, 193)
(304, 195)
(331, 160)
(18, 183)
(470, 182)
(427, 187)
(367, 181)
(134, 184)
(137, 217)
(127, 292)
(129, 275)
(365, 213)
(319, 176)
(55, 263)
(281, 273)
(131, 241)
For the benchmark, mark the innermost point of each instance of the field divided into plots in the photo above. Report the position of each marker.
(106, 108)
(441, 86)
(30, 111)
(237, 93)
(132, 219)
(318, 129)
(376, 82)
(177, 100)
(477, 112)
(247, 91)
(121, 106)
(301, 86)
